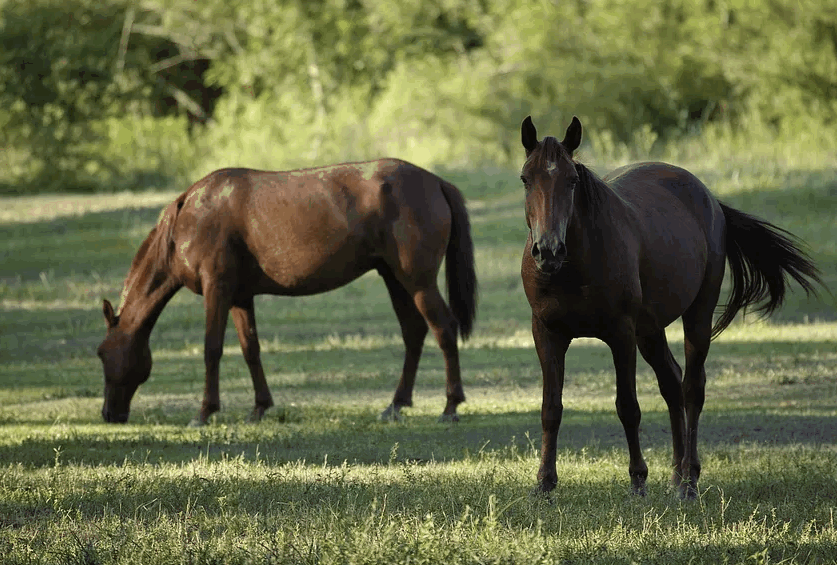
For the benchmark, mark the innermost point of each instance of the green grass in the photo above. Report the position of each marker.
(320, 480)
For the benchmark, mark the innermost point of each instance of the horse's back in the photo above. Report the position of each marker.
(651, 185)
(331, 195)
(311, 230)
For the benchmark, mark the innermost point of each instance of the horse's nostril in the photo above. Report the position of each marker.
(542, 254)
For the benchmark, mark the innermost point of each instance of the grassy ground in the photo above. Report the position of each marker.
(320, 480)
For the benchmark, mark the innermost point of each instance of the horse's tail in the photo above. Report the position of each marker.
(761, 257)
(459, 262)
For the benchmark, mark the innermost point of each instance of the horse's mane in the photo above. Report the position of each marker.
(150, 266)
(591, 189)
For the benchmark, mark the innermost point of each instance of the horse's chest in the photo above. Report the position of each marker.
(577, 312)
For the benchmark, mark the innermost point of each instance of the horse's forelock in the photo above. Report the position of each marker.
(549, 151)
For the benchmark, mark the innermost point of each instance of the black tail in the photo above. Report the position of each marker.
(761, 257)
(459, 263)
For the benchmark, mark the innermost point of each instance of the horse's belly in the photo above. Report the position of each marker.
(310, 250)
(669, 288)
(311, 269)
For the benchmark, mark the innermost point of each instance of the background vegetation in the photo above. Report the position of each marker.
(116, 94)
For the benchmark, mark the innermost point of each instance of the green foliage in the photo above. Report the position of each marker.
(80, 106)
(443, 83)
(51, 85)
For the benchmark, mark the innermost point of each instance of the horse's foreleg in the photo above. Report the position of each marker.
(552, 349)
(244, 318)
(655, 351)
(442, 323)
(217, 305)
(413, 331)
(623, 348)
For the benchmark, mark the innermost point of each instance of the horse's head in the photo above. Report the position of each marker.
(550, 178)
(126, 359)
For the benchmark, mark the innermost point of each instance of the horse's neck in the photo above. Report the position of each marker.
(146, 294)
(139, 314)
(598, 224)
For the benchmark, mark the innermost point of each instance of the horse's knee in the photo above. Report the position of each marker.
(551, 416)
(414, 337)
(671, 391)
(628, 411)
(212, 352)
(694, 393)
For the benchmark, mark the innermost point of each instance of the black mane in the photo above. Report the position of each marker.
(591, 189)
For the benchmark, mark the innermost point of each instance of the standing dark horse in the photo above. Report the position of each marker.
(238, 232)
(621, 258)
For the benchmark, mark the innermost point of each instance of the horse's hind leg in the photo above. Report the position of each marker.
(444, 326)
(654, 349)
(413, 331)
(244, 317)
(697, 333)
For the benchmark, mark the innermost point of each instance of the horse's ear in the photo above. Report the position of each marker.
(110, 316)
(572, 139)
(528, 135)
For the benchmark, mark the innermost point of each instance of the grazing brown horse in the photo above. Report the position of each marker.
(621, 258)
(237, 233)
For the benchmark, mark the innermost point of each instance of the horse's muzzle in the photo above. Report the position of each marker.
(113, 417)
(549, 253)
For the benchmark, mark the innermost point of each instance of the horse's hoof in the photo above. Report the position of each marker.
(256, 415)
(687, 491)
(638, 486)
(542, 492)
(392, 413)
(446, 418)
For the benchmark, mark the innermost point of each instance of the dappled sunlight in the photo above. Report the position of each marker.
(28, 209)
(765, 331)
(42, 305)
(518, 339)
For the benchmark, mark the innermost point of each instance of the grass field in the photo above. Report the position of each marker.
(320, 480)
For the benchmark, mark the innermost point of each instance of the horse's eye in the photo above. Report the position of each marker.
(525, 182)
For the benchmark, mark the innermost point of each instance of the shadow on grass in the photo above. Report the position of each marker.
(290, 434)
(590, 515)
(101, 242)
